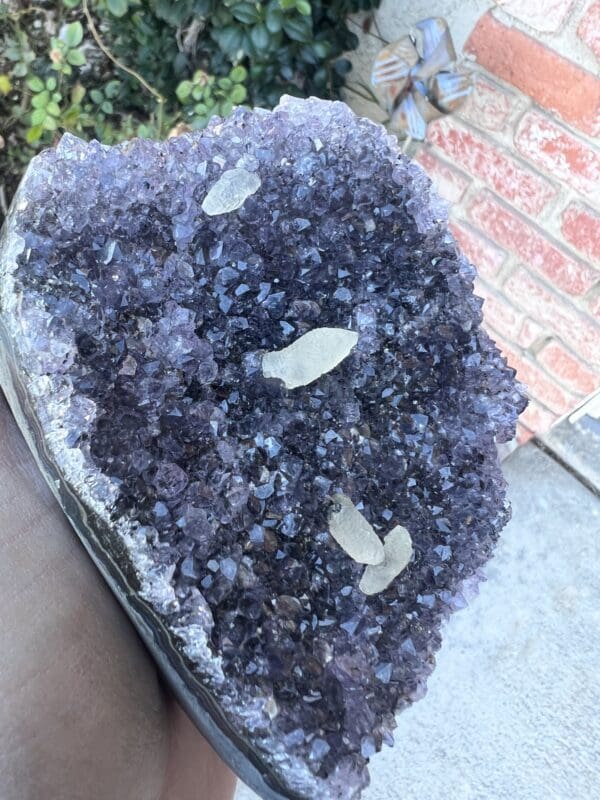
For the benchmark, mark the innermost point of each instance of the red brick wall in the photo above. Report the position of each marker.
(520, 165)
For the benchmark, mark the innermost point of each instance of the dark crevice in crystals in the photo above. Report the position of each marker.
(229, 476)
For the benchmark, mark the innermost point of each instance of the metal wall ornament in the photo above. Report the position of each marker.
(418, 82)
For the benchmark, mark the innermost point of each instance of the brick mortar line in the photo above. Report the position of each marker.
(487, 136)
(573, 196)
(579, 303)
(507, 268)
(535, 398)
(517, 97)
(531, 352)
(430, 149)
(548, 39)
(551, 214)
(513, 265)
(548, 238)
(590, 141)
(557, 224)
(512, 262)
(551, 207)
(540, 36)
(510, 88)
(563, 298)
(525, 356)
(506, 142)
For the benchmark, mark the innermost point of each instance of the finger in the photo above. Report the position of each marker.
(81, 712)
(195, 771)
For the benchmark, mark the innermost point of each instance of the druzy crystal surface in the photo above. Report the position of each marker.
(134, 329)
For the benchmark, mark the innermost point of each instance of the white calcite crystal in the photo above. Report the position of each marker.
(353, 533)
(398, 551)
(230, 192)
(312, 355)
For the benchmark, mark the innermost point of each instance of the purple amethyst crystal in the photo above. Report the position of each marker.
(135, 314)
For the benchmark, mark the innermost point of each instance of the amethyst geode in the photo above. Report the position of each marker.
(136, 310)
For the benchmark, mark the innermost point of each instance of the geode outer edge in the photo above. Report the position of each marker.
(207, 515)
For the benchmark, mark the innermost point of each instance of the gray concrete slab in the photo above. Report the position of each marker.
(576, 441)
(513, 707)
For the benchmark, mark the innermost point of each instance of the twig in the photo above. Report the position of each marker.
(94, 31)
(21, 12)
(191, 35)
(369, 91)
(377, 28)
(360, 94)
(369, 33)
(3, 203)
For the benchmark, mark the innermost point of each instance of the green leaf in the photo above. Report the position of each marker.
(112, 89)
(320, 49)
(229, 39)
(274, 19)
(96, 96)
(34, 134)
(320, 78)
(303, 7)
(41, 100)
(259, 35)
(298, 28)
(202, 7)
(77, 94)
(238, 94)
(118, 8)
(71, 3)
(71, 117)
(201, 109)
(5, 84)
(50, 124)
(51, 83)
(72, 34)
(38, 116)
(76, 57)
(20, 70)
(107, 107)
(53, 109)
(246, 13)
(174, 12)
(184, 90)
(224, 83)
(35, 84)
(226, 108)
(238, 74)
(287, 4)
(342, 66)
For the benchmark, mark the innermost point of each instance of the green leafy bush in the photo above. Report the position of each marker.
(112, 69)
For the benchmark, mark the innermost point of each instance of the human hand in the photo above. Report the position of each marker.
(83, 715)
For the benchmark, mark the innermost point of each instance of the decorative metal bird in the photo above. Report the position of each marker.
(416, 88)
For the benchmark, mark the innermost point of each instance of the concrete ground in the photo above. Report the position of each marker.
(513, 707)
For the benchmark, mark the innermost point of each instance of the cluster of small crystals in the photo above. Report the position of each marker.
(229, 475)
